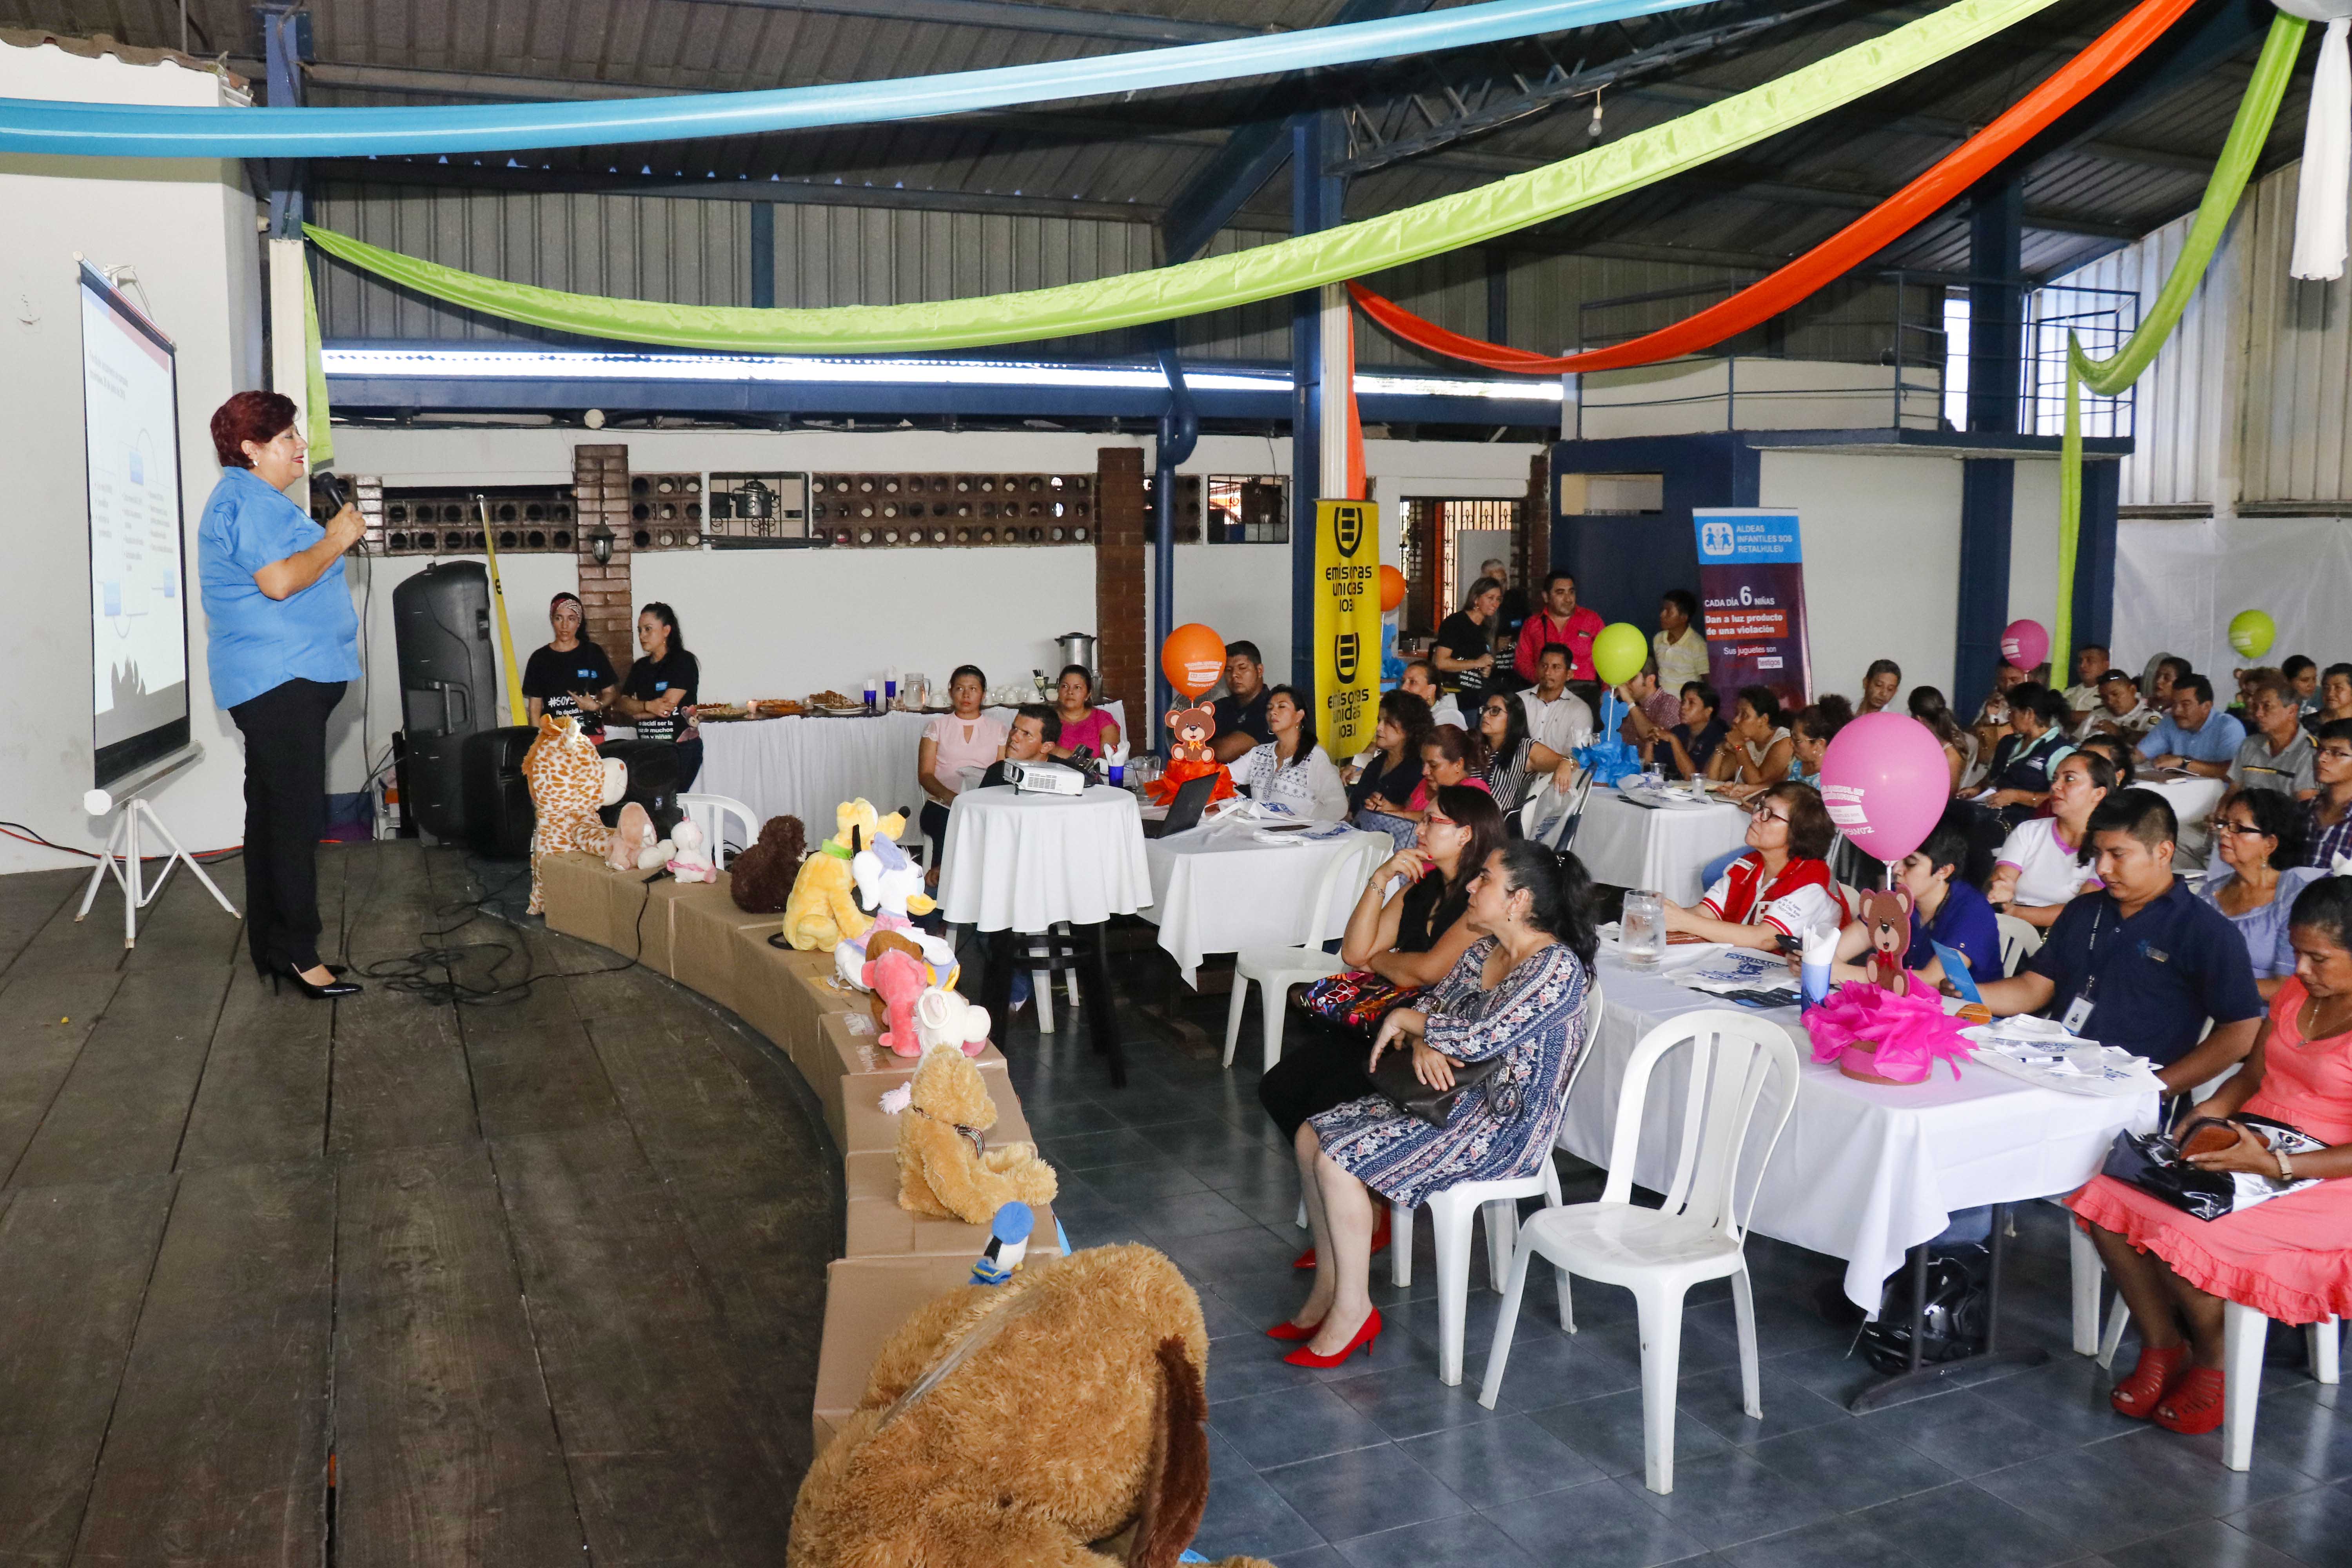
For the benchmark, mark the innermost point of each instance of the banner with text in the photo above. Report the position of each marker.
(1751, 592)
(1347, 622)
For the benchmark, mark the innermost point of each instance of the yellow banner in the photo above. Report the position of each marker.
(1346, 623)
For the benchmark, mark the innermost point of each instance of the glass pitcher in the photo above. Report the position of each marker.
(1642, 939)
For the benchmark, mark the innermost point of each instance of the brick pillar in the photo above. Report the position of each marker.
(600, 491)
(1534, 528)
(1122, 567)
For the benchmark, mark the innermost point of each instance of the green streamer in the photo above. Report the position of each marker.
(1222, 282)
(2108, 376)
(321, 435)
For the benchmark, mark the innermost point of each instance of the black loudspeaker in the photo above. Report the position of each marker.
(653, 781)
(498, 814)
(448, 684)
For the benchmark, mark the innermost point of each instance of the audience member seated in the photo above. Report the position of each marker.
(1291, 769)
(1650, 708)
(1945, 907)
(1240, 714)
(2193, 737)
(2334, 697)
(2040, 866)
(1757, 751)
(2091, 667)
(2276, 756)
(2163, 672)
(1781, 886)
(2020, 778)
(1420, 678)
(1464, 651)
(1036, 732)
(1927, 705)
(2119, 753)
(2259, 837)
(2247, 681)
(1392, 771)
(1880, 682)
(1518, 996)
(2120, 710)
(2303, 676)
(2289, 1257)
(1449, 757)
(1082, 725)
(1685, 750)
(2139, 963)
(2328, 815)
(1680, 651)
(952, 742)
(1559, 619)
(1513, 756)
(1991, 724)
(1811, 732)
(1557, 716)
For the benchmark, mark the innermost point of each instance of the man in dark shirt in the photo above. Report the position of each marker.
(1241, 711)
(2142, 963)
(1036, 726)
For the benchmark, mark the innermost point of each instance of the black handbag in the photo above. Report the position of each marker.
(2153, 1163)
(1395, 1080)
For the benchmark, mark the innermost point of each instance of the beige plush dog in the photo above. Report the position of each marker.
(946, 1169)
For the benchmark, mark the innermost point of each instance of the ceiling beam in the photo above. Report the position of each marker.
(1012, 15)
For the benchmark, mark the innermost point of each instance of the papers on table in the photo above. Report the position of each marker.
(1638, 789)
(1738, 974)
(2040, 1051)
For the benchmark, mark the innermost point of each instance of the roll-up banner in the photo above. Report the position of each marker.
(1751, 592)
(1347, 622)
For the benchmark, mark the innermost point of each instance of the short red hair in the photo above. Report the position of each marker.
(255, 416)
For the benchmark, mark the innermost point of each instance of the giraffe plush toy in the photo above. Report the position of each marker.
(569, 784)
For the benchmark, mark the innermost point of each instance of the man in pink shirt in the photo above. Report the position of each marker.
(1560, 620)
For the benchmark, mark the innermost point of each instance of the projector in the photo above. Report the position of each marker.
(1045, 778)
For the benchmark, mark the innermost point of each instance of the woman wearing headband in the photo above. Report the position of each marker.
(571, 677)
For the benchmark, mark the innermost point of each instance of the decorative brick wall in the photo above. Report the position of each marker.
(1534, 543)
(600, 488)
(1122, 564)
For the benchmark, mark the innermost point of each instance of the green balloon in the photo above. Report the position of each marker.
(1618, 652)
(2252, 632)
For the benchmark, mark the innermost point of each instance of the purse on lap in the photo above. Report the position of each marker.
(1397, 1082)
(1356, 998)
(2158, 1165)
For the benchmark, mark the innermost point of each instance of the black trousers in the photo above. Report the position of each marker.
(285, 731)
(690, 763)
(1322, 1066)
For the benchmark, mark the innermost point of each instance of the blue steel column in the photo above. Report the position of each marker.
(1317, 198)
(286, 43)
(763, 256)
(1987, 485)
(2094, 556)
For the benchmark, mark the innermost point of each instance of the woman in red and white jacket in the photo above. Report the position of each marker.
(1782, 886)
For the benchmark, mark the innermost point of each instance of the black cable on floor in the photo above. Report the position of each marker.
(414, 975)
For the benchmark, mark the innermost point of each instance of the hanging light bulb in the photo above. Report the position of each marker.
(1592, 129)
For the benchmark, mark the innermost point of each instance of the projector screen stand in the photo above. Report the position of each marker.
(123, 858)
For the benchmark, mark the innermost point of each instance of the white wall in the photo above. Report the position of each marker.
(2178, 582)
(188, 228)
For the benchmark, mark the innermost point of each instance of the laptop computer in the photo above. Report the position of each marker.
(1184, 811)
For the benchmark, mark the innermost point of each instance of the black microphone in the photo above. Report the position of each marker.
(328, 484)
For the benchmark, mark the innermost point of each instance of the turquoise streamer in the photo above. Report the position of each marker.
(132, 131)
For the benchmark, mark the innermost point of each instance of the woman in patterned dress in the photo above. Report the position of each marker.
(1517, 993)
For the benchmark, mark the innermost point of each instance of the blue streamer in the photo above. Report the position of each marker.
(132, 131)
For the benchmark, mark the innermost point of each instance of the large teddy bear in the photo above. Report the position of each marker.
(946, 1169)
(1026, 1426)
(823, 906)
(569, 784)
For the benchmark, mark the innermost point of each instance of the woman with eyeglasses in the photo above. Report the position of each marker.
(2259, 836)
(2040, 867)
(1781, 886)
(2328, 815)
(1513, 756)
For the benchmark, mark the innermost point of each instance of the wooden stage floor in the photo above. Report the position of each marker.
(392, 1280)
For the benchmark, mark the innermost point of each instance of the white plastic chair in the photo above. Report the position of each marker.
(1562, 835)
(709, 813)
(1696, 1235)
(1451, 1211)
(1277, 968)
(2019, 942)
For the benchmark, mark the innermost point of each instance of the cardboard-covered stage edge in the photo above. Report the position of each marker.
(892, 1261)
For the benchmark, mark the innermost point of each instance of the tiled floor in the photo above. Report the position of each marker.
(1379, 1463)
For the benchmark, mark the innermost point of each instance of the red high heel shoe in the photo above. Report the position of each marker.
(1291, 1333)
(2194, 1404)
(2139, 1395)
(1369, 1333)
(1379, 1241)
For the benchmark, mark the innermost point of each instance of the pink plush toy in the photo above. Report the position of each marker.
(898, 977)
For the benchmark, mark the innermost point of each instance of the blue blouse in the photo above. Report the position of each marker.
(258, 643)
(2264, 929)
(1965, 923)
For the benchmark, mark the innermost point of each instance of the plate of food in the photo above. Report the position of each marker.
(719, 713)
(777, 708)
(835, 703)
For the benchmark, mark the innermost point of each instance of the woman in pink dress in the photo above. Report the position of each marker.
(1083, 723)
(2289, 1257)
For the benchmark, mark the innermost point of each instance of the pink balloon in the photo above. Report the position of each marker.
(2025, 644)
(1886, 782)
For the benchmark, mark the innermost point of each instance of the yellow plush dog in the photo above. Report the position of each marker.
(945, 1168)
(823, 906)
(1058, 1421)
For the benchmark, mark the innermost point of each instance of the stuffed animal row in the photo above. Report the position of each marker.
(890, 889)
(824, 909)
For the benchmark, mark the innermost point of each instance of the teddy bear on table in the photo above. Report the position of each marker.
(1191, 757)
(946, 1169)
(1886, 919)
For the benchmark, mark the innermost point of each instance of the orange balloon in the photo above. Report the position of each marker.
(1193, 658)
(1392, 588)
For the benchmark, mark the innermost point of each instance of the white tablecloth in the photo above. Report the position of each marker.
(805, 767)
(1659, 850)
(1215, 891)
(1021, 862)
(1864, 1172)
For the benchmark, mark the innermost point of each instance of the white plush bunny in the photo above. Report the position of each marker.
(690, 861)
(943, 1017)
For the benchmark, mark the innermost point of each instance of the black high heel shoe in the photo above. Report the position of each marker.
(328, 992)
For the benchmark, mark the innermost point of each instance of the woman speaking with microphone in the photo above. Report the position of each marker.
(283, 644)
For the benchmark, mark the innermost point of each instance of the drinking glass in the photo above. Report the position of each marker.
(1644, 929)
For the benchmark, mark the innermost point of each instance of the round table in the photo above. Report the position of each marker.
(1018, 862)
(1216, 891)
(1659, 849)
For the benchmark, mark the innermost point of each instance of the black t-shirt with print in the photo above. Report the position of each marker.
(557, 678)
(677, 671)
(1459, 637)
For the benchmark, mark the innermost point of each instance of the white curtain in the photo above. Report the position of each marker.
(2178, 584)
(2324, 187)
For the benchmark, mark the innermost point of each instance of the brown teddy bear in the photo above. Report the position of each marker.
(1024, 1425)
(946, 1169)
(761, 877)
